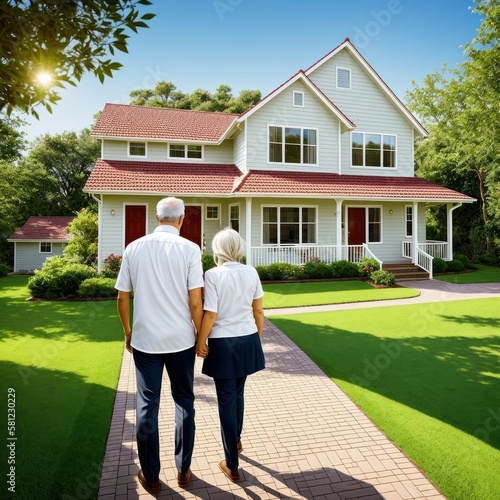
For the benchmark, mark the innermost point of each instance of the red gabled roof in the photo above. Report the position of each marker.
(141, 122)
(344, 186)
(154, 177)
(43, 228)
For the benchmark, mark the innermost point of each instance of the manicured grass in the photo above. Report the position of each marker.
(62, 359)
(481, 274)
(278, 295)
(428, 375)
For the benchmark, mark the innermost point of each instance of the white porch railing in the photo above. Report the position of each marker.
(296, 254)
(435, 248)
(424, 260)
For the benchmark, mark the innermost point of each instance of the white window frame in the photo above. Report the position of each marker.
(298, 93)
(300, 207)
(283, 127)
(49, 243)
(186, 152)
(337, 78)
(381, 166)
(409, 220)
(238, 206)
(212, 205)
(381, 223)
(145, 155)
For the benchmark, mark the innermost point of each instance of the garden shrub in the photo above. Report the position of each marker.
(4, 270)
(98, 287)
(317, 270)
(344, 269)
(463, 259)
(383, 278)
(58, 278)
(207, 261)
(111, 266)
(455, 266)
(367, 266)
(439, 265)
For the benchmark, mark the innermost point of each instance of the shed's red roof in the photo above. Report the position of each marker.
(141, 122)
(43, 228)
(202, 179)
(154, 177)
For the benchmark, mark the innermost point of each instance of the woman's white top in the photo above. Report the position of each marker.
(230, 290)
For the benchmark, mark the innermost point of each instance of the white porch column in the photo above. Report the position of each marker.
(449, 230)
(414, 232)
(248, 230)
(338, 219)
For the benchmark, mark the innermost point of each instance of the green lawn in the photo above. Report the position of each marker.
(278, 295)
(481, 274)
(62, 359)
(428, 375)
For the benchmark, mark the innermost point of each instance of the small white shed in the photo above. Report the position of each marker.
(38, 239)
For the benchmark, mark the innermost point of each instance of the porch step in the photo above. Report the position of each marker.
(405, 271)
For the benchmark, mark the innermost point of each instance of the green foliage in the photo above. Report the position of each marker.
(166, 95)
(207, 261)
(59, 277)
(487, 259)
(439, 265)
(83, 244)
(463, 259)
(455, 266)
(98, 287)
(317, 270)
(65, 38)
(367, 266)
(111, 266)
(383, 278)
(12, 142)
(344, 269)
(4, 270)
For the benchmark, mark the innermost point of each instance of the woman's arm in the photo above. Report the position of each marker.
(206, 327)
(258, 314)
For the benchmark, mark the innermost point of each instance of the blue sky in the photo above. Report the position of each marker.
(259, 44)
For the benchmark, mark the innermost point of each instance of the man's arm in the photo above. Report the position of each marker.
(123, 306)
(196, 307)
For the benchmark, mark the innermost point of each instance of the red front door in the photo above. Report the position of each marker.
(356, 226)
(191, 227)
(135, 222)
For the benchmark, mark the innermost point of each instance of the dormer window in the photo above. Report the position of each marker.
(343, 78)
(137, 149)
(298, 99)
(185, 151)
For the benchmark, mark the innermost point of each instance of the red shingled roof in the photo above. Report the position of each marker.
(141, 122)
(345, 186)
(202, 179)
(43, 228)
(154, 177)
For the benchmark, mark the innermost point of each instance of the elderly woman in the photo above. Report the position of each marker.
(232, 323)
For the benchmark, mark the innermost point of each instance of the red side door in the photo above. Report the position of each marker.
(191, 227)
(135, 222)
(356, 226)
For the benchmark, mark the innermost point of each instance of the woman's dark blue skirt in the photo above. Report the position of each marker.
(234, 357)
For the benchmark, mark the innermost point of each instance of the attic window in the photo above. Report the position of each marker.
(137, 149)
(185, 151)
(343, 78)
(298, 99)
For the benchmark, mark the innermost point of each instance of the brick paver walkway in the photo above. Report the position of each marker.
(303, 437)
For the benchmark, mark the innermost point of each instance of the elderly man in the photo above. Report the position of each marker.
(165, 273)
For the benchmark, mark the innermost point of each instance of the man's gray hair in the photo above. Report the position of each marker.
(228, 246)
(169, 209)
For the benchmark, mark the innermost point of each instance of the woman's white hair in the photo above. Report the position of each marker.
(228, 246)
(169, 209)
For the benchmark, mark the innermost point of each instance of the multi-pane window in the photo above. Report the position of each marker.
(137, 149)
(409, 221)
(289, 225)
(292, 145)
(234, 217)
(45, 247)
(374, 225)
(373, 150)
(185, 151)
(212, 212)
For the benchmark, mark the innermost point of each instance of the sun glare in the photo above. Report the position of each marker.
(44, 78)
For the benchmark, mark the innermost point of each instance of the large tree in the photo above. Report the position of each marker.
(461, 108)
(12, 138)
(60, 40)
(166, 95)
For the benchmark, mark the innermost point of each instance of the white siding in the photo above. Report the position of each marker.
(370, 109)
(280, 111)
(239, 152)
(29, 258)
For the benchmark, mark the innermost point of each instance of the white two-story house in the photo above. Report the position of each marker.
(321, 168)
